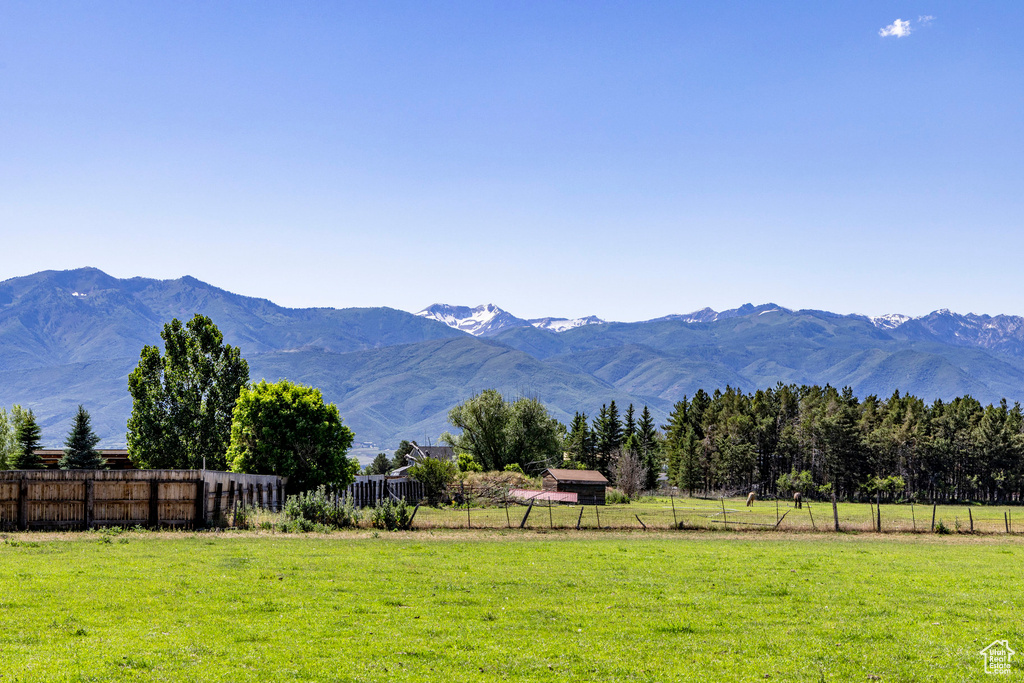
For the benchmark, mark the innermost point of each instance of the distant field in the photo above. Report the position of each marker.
(505, 605)
(733, 514)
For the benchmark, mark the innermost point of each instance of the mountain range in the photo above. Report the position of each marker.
(70, 337)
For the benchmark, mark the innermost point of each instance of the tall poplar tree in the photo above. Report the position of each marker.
(182, 401)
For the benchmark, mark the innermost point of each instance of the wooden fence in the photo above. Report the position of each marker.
(371, 489)
(82, 499)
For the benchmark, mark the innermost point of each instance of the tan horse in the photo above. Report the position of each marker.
(751, 497)
(798, 500)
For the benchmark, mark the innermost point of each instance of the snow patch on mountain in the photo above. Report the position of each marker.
(487, 320)
(889, 321)
(479, 321)
(564, 324)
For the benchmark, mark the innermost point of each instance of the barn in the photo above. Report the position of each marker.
(588, 485)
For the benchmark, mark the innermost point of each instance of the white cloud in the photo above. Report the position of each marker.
(925, 19)
(898, 28)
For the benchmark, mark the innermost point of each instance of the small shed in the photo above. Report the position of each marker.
(588, 485)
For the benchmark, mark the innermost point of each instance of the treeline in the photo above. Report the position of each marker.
(822, 440)
(20, 439)
(619, 446)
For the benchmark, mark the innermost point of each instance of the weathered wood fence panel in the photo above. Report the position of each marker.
(60, 499)
(369, 490)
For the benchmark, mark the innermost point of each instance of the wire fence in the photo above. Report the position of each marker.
(725, 514)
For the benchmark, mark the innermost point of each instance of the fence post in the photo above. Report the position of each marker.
(508, 520)
(202, 489)
(551, 520)
(23, 504)
(154, 502)
(219, 492)
(777, 510)
(971, 517)
(523, 523)
(89, 497)
(725, 516)
(878, 509)
(933, 517)
(1006, 523)
(580, 519)
(675, 521)
(811, 515)
(913, 519)
(597, 512)
(835, 510)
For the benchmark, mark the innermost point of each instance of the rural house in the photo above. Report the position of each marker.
(419, 453)
(588, 485)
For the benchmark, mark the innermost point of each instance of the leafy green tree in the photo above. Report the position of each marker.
(436, 476)
(482, 419)
(7, 441)
(286, 429)
(497, 433)
(533, 439)
(28, 438)
(9, 422)
(182, 402)
(80, 447)
(381, 465)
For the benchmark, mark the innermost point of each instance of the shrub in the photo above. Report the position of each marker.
(317, 507)
(514, 467)
(245, 516)
(391, 515)
(941, 528)
(615, 496)
(436, 476)
(466, 463)
(296, 525)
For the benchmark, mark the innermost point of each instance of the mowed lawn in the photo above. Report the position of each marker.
(517, 606)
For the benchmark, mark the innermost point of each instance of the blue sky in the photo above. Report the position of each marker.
(627, 160)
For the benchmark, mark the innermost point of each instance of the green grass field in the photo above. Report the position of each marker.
(505, 605)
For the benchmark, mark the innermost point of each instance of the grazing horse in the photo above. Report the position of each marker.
(751, 497)
(798, 500)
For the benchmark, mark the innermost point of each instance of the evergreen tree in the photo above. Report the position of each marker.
(399, 459)
(80, 447)
(27, 437)
(608, 429)
(646, 431)
(380, 465)
(628, 424)
(579, 445)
